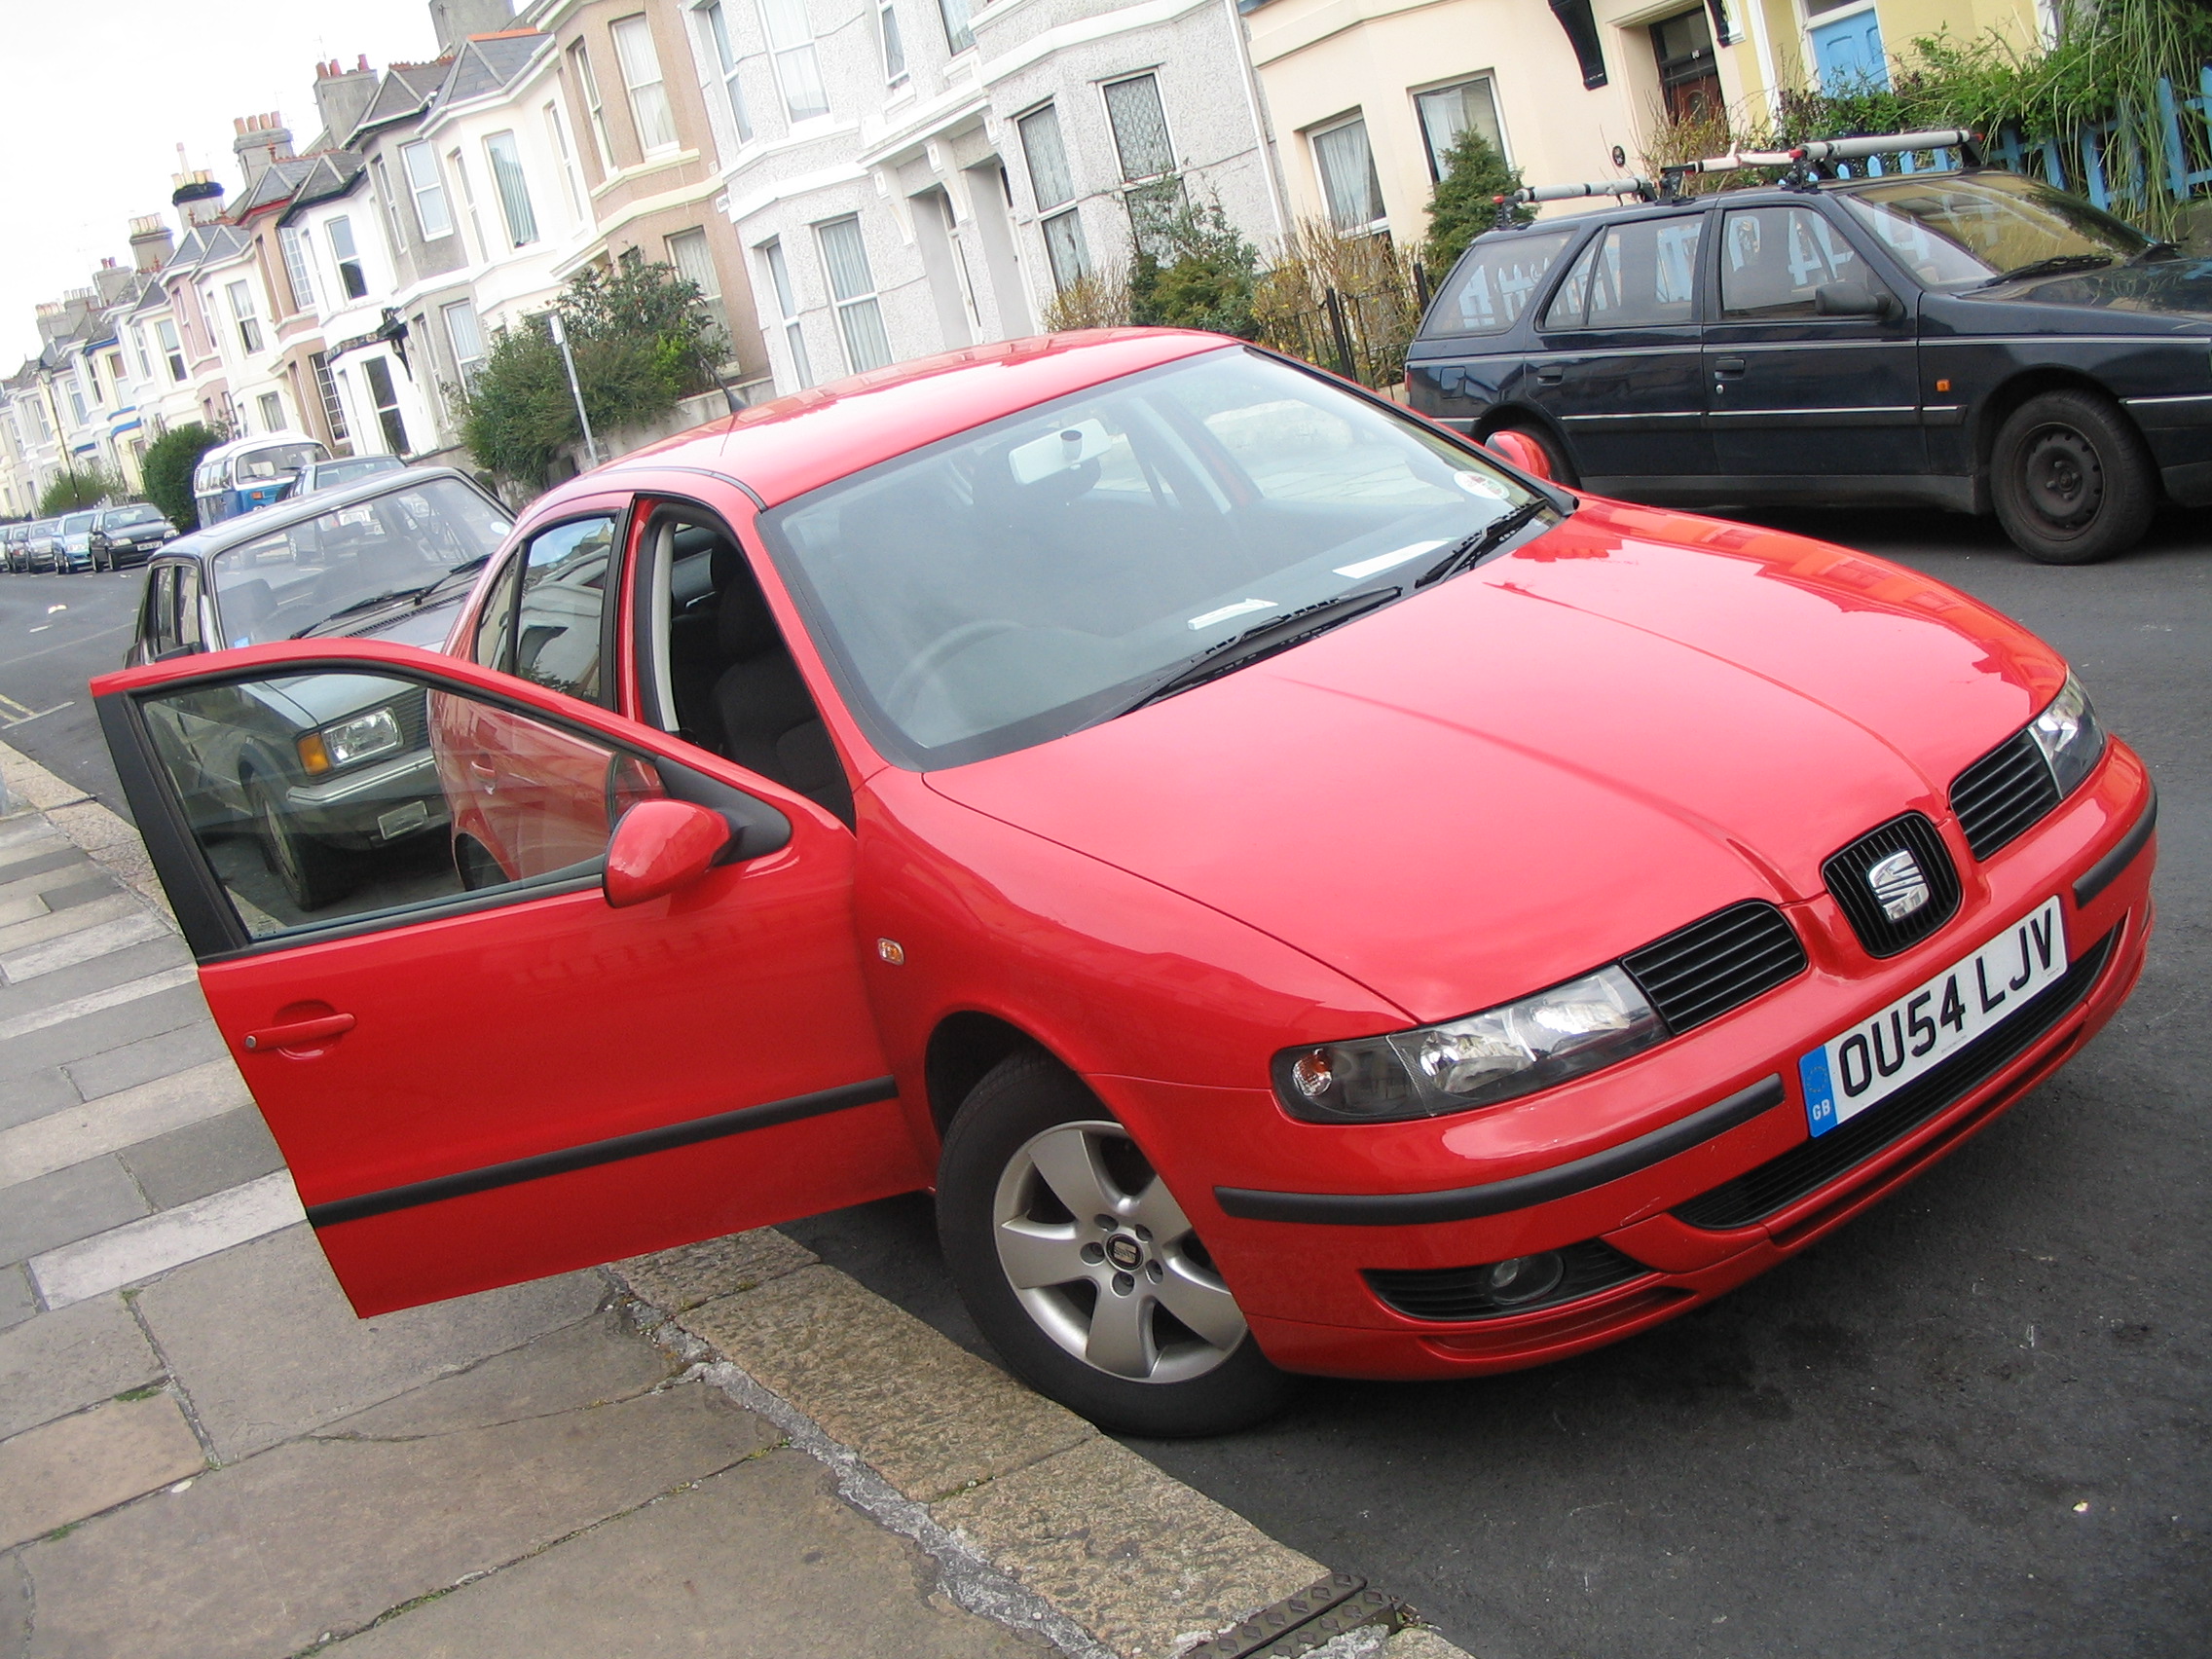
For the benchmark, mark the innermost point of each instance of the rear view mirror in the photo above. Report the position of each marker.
(660, 846)
(1854, 299)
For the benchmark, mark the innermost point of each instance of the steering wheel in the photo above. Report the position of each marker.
(929, 657)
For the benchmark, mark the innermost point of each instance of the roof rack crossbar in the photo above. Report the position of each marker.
(1571, 192)
(1886, 143)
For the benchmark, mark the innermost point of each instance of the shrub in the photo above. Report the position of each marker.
(1373, 281)
(168, 466)
(1464, 202)
(77, 487)
(1097, 299)
(1194, 270)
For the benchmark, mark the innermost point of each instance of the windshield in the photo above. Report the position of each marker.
(279, 461)
(76, 524)
(283, 584)
(123, 516)
(1954, 230)
(1032, 576)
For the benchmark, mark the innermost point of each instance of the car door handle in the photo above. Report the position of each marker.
(1725, 368)
(300, 1032)
(1550, 374)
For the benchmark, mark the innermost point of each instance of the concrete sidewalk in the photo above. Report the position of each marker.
(730, 1448)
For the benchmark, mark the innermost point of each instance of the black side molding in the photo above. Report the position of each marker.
(592, 1152)
(2107, 869)
(1517, 1192)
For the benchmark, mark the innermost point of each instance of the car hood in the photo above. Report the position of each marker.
(2179, 289)
(1626, 724)
(405, 624)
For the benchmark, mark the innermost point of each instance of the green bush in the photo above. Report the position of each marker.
(77, 487)
(171, 460)
(643, 341)
(1464, 202)
(1207, 278)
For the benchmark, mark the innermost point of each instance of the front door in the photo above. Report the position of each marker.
(476, 1083)
(1795, 393)
(1617, 362)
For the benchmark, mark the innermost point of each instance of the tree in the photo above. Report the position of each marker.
(169, 463)
(1464, 202)
(642, 342)
(77, 487)
(1207, 278)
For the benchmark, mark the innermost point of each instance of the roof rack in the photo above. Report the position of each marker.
(1642, 189)
(1816, 159)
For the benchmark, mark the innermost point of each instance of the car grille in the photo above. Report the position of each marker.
(1781, 1182)
(411, 709)
(1698, 973)
(1457, 1292)
(1846, 875)
(2001, 793)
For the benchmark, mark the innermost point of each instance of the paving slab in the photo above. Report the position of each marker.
(66, 870)
(88, 1024)
(15, 1606)
(155, 1243)
(1140, 1560)
(96, 886)
(266, 1345)
(67, 1205)
(22, 828)
(65, 1471)
(147, 1058)
(113, 841)
(682, 1278)
(203, 1158)
(34, 1096)
(125, 1118)
(929, 1415)
(264, 1557)
(1420, 1644)
(591, 1363)
(64, 1361)
(164, 952)
(17, 1303)
(84, 944)
(763, 1560)
(36, 858)
(53, 924)
(23, 908)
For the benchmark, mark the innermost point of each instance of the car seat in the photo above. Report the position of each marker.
(769, 723)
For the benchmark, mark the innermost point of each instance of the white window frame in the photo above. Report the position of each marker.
(652, 117)
(888, 41)
(1487, 79)
(595, 107)
(341, 226)
(716, 16)
(959, 24)
(565, 158)
(787, 308)
(299, 257)
(1341, 124)
(243, 315)
(466, 363)
(511, 184)
(853, 310)
(270, 422)
(459, 168)
(389, 200)
(1120, 159)
(172, 348)
(429, 194)
(790, 54)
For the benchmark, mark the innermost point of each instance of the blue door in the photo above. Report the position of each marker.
(1848, 52)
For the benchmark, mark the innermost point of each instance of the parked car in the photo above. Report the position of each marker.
(15, 541)
(129, 535)
(1307, 896)
(391, 558)
(1972, 341)
(42, 549)
(73, 546)
(317, 475)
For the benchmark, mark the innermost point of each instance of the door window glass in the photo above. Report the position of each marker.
(159, 625)
(1772, 258)
(1491, 286)
(321, 797)
(563, 606)
(492, 631)
(1643, 274)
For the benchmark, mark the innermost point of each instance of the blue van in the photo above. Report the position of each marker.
(247, 473)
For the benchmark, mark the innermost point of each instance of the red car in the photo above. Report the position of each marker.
(1307, 896)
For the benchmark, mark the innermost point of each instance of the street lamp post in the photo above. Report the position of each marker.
(569, 363)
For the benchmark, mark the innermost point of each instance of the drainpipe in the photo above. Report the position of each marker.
(1259, 133)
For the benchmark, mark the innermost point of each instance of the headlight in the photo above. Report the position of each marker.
(1499, 1055)
(361, 738)
(2068, 736)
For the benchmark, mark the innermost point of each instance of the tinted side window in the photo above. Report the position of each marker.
(565, 578)
(158, 622)
(188, 606)
(1772, 258)
(492, 631)
(1494, 282)
(1643, 274)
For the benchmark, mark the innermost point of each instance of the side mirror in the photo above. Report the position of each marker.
(1855, 299)
(1522, 451)
(660, 846)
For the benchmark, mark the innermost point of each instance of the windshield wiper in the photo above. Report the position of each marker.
(1263, 640)
(2157, 250)
(1487, 539)
(374, 602)
(2055, 266)
(466, 568)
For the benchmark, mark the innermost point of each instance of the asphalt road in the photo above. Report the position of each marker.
(1974, 1423)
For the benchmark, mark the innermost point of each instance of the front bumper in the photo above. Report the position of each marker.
(386, 803)
(1693, 1217)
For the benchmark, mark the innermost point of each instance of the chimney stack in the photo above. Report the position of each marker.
(457, 20)
(341, 96)
(151, 243)
(260, 140)
(197, 199)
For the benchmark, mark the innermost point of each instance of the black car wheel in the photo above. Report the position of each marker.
(313, 874)
(1080, 1267)
(2072, 481)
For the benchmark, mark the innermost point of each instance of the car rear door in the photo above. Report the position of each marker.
(1797, 394)
(1616, 365)
(475, 1086)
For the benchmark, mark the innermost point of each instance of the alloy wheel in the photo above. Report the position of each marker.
(1101, 1257)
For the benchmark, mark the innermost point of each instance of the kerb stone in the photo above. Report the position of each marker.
(674, 1280)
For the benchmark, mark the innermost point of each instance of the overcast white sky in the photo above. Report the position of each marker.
(95, 98)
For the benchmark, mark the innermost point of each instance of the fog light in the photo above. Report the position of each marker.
(1524, 1278)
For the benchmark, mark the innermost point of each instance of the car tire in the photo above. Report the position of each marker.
(2072, 480)
(1001, 1217)
(1562, 469)
(314, 873)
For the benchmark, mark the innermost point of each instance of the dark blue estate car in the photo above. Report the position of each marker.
(1973, 340)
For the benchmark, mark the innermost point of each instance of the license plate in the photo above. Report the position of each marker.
(1878, 1056)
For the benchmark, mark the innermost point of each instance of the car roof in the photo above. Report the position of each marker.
(795, 444)
(251, 526)
(1743, 194)
(260, 441)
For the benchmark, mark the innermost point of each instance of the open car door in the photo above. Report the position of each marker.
(491, 1073)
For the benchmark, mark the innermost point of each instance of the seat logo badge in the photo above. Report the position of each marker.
(1125, 1252)
(1900, 887)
